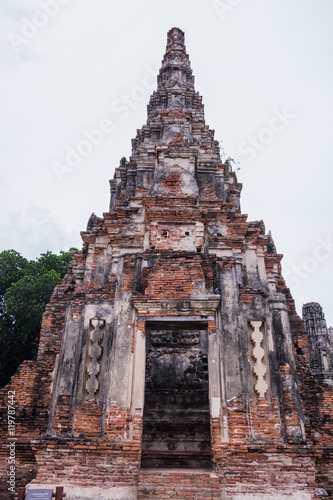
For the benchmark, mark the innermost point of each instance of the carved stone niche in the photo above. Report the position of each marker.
(94, 358)
(176, 424)
(257, 357)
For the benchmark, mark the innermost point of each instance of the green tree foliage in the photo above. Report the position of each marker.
(12, 268)
(25, 289)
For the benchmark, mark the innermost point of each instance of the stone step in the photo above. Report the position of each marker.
(178, 484)
(186, 443)
(191, 461)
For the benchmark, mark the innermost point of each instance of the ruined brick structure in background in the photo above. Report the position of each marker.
(320, 339)
(173, 343)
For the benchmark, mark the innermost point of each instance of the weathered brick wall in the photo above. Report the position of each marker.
(268, 474)
(317, 398)
(86, 465)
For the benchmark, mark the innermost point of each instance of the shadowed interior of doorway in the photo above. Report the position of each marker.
(176, 424)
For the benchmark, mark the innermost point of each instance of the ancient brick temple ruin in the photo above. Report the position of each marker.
(172, 363)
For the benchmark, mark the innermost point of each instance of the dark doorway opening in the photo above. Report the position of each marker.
(176, 423)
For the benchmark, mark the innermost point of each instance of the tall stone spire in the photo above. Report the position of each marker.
(175, 81)
(175, 141)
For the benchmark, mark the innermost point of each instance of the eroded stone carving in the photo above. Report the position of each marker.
(174, 356)
(258, 354)
(96, 335)
(175, 337)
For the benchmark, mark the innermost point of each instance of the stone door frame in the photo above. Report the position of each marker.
(210, 317)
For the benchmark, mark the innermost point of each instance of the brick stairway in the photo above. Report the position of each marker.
(180, 484)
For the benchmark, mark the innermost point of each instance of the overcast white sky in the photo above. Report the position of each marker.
(264, 68)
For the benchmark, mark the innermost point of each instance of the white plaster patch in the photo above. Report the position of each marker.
(284, 460)
(299, 495)
(91, 311)
(176, 236)
(227, 252)
(251, 261)
(216, 406)
(182, 162)
(80, 493)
